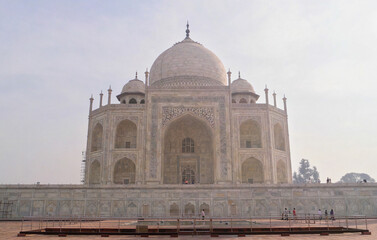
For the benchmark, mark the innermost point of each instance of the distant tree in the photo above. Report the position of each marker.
(305, 173)
(356, 177)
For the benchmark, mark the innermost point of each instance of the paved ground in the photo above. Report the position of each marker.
(9, 230)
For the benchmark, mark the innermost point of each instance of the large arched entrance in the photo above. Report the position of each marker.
(188, 152)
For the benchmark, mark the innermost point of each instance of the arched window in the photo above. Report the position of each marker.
(188, 145)
(124, 172)
(234, 101)
(250, 135)
(124, 101)
(279, 137)
(126, 134)
(132, 101)
(142, 101)
(243, 100)
(96, 143)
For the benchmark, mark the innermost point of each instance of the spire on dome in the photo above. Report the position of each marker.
(187, 30)
(136, 75)
(239, 74)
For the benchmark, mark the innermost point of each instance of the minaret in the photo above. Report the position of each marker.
(229, 77)
(100, 99)
(274, 94)
(91, 103)
(109, 99)
(146, 77)
(285, 104)
(266, 93)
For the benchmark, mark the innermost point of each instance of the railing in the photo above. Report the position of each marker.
(303, 223)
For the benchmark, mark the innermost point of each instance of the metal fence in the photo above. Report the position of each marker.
(300, 224)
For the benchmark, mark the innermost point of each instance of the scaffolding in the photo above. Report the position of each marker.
(6, 209)
(83, 162)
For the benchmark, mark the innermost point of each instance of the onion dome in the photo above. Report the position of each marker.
(134, 86)
(187, 64)
(241, 86)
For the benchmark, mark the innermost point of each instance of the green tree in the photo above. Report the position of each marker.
(305, 173)
(356, 177)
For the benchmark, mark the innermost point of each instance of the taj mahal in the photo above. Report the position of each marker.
(186, 136)
(188, 123)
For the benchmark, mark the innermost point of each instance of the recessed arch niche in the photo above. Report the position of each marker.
(126, 134)
(250, 134)
(252, 171)
(279, 137)
(95, 172)
(97, 133)
(124, 171)
(281, 172)
(196, 164)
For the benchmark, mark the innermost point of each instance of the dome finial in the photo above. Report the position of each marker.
(136, 75)
(239, 74)
(187, 30)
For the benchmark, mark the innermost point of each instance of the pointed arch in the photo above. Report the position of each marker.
(281, 171)
(142, 101)
(205, 207)
(189, 209)
(250, 134)
(124, 172)
(279, 137)
(132, 101)
(97, 133)
(188, 148)
(252, 171)
(95, 173)
(126, 135)
(174, 210)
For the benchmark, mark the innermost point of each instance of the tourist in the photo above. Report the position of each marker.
(326, 214)
(203, 214)
(332, 214)
(286, 214)
(319, 214)
(294, 213)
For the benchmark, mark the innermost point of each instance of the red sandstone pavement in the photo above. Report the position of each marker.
(9, 230)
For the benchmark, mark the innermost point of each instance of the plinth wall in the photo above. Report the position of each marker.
(185, 200)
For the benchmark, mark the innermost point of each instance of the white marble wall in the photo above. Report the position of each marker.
(155, 201)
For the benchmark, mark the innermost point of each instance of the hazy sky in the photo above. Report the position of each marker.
(54, 54)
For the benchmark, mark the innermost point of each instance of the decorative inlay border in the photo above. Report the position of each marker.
(170, 113)
(121, 118)
(117, 156)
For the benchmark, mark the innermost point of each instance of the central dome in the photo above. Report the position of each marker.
(187, 64)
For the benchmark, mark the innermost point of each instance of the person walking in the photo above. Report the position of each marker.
(203, 214)
(326, 214)
(319, 214)
(294, 213)
(332, 214)
(286, 214)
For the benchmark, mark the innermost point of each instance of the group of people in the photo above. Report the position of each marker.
(332, 214)
(285, 214)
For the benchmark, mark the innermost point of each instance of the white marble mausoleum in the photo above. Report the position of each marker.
(189, 136)
(188, 122)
